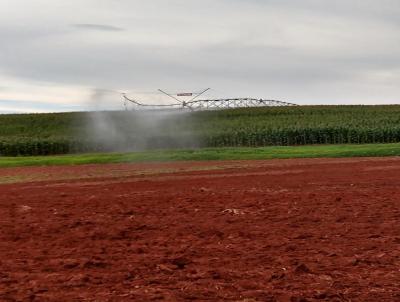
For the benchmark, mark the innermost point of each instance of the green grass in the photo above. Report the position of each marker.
(209, 154)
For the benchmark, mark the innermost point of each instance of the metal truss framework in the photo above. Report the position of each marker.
(212, 104)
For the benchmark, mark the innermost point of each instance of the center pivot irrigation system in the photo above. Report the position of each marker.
(193, 103)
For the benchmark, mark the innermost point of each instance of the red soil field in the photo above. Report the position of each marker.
(281, 230)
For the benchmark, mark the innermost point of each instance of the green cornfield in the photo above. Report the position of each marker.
(63, 133)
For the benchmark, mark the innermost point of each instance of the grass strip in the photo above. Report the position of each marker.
(367, 150)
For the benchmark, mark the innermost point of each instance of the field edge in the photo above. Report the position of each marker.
(237, 153)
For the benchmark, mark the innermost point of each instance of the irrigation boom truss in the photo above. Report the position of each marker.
(206, 104)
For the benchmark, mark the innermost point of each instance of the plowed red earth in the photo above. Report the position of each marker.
(284, 230)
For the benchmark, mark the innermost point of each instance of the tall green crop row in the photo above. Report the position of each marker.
(304, 125)
(305, 136)
(43, 134)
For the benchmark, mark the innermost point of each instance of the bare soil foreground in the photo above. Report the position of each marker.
(281, 230)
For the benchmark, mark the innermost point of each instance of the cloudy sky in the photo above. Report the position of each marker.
(59, 55)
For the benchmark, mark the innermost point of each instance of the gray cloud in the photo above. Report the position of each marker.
(101, 27)
(304, 51)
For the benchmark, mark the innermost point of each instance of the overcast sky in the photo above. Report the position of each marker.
(58, 55)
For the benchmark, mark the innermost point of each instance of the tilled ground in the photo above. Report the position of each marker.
(284, 230)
